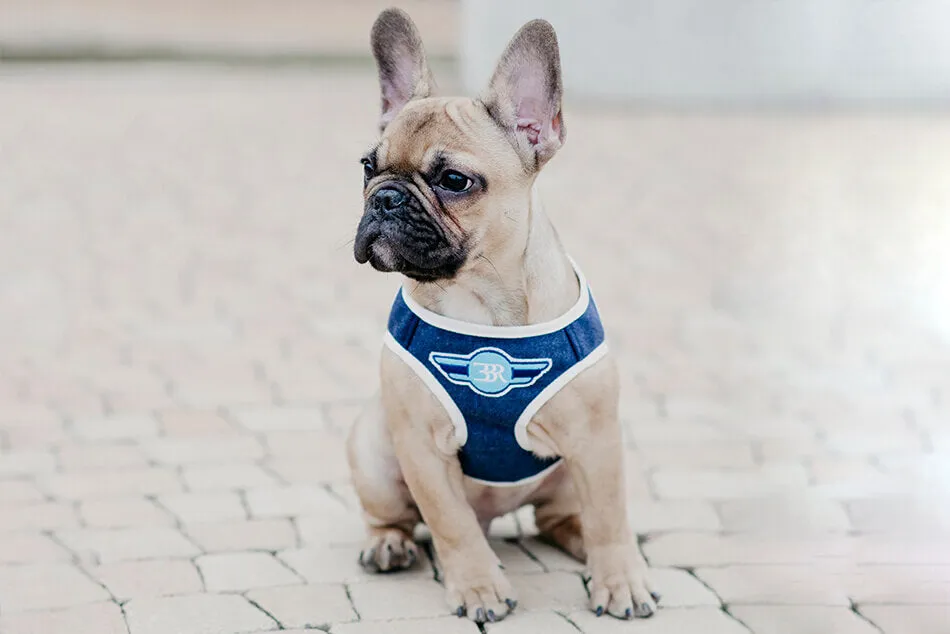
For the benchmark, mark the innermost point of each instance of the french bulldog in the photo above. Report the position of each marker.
(496, 387)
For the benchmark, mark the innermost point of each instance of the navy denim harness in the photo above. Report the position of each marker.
(492, 380)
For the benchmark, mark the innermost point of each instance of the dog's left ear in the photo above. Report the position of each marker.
(524, 95)
(401, 60)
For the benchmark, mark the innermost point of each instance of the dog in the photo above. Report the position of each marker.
(496, 387)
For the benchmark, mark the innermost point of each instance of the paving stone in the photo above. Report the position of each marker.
(100, 457)
(225, 477)
(269, 535)
(532, 623)
(549, 591)
(702, 549)
(505, 527)
(96, 618)
(286, 418)
(840, 479)
(786, 619)
(705, 620)
(38, 517)
(648, 516)
(29, 548)
(305, 606)
(131, 579)
(710, 455)
(514, 558)
(865, 442)
(290, 501)
(776, 585)
(45, 586)
(303, 444)
(791, 514)
(325, 464)
(20, 463)
(713, 484)
(123, 512)
(908, 585)
(904, 515)
(441, 625)
(393, 598)
(124, 544)
(18, 493)
(195, 614)
(551, 558)
(230, 572)
(680, 589)
(908, 619)
(324, 564)
(179, 451)
(111, 483)
(333, 527)
(197, 508)
(191, 423)
(117, 428)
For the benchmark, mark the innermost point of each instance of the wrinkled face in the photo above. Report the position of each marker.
(442, 176)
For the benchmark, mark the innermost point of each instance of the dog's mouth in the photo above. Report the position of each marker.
(404, 239)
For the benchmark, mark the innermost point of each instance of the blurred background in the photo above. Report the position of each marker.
(758, 190)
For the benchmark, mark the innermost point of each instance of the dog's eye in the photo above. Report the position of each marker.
(455, 182)
(368, 170)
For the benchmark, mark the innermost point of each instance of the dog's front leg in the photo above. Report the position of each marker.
(582, 422)
(474, 582)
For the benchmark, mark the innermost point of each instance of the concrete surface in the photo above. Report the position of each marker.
(185, 339)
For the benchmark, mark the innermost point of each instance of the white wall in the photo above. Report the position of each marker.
(730, 51)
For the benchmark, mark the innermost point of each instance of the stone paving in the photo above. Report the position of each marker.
(185, 339)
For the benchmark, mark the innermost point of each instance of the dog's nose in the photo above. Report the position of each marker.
(388, 199)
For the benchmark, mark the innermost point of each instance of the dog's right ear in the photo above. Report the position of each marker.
(403, 69)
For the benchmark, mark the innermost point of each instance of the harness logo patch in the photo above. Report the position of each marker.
(489, 371)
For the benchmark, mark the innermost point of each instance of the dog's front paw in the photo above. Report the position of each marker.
(479, 590)
(388, 549)
(619, 582)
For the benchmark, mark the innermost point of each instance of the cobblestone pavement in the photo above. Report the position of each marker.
(185, 338)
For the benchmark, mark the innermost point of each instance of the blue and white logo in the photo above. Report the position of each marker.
(489, 371)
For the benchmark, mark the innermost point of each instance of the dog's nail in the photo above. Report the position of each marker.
(656, 596)
(491, 616)
(460, 612)
(599, 611)
(511, 603)
(628, 614)
(645, 610)
(389, 547)
(410, 558)
(480, 615)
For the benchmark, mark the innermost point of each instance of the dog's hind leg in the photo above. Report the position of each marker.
(388, 508)
(559, 522)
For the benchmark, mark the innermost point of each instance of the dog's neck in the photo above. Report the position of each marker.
(527, 282)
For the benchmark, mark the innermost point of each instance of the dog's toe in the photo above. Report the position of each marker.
(486, 601)
(388, 550)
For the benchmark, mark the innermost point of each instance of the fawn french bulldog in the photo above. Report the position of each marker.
(497, 389)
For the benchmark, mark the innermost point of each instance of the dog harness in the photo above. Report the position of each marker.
(492, 380)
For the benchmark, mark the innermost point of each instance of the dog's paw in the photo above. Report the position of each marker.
(619, 583)
(479, 591)
(388, 550)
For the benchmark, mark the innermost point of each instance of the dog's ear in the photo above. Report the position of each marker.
(524, 95)
(403, 69)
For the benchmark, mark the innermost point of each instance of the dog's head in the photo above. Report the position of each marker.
(450, 179)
